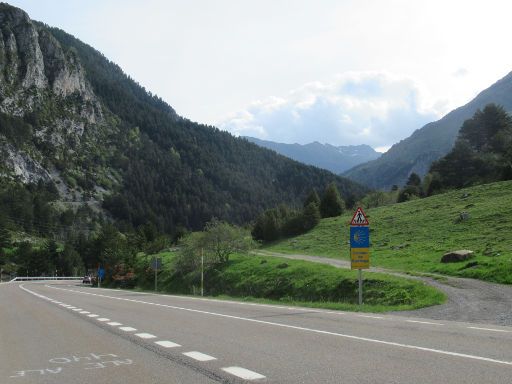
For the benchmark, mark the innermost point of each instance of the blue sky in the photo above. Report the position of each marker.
(340, 72)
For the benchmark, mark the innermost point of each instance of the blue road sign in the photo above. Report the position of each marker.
(156, 263)
(101, 273)
(359, 237)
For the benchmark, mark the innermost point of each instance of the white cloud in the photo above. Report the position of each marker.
(374, 108)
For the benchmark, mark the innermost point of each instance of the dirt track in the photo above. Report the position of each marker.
(468, 299)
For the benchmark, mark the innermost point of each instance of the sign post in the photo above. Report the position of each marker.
(156, 264)
(360, 246)
(101, 275)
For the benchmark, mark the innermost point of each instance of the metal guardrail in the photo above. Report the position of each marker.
(37, 278)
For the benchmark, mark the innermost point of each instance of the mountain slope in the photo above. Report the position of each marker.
(326, 156)
(105, 141)
(434, 140)
(413, 236)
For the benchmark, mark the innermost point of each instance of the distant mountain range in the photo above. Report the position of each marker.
(425, 145)
(326, 156)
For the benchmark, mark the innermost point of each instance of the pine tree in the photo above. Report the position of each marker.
(5, 236)
(312, 198)
(311, 216)
(331, 205)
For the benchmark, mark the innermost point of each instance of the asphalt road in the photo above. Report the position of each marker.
(65, 333)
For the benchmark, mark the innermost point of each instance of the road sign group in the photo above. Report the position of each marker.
(359, 241)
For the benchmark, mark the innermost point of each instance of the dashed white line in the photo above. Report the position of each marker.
(145, 335)
(199, 356)
(71, 307)
(78, 309)
(127, 329)
(371, 317)
(92, 315)
(114, 323)
(167, 344)
(490, 329)
(103, 319)
(243, 373)
(84, 312)
(422, 322)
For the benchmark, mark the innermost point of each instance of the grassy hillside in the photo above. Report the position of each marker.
(413, 236)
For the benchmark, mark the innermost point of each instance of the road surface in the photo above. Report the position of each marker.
(468, 299)
(61, 332)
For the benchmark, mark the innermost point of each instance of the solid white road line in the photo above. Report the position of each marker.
(243, 373)
(199, 356)
(103, 319)
(114, 323)
(304, 329)
(423, 322)
(167, 344)
(491, 329)
(145, 335)
(127, 329)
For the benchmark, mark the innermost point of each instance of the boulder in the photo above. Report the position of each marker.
(457, 256)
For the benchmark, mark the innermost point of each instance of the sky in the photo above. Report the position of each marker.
(343, 72)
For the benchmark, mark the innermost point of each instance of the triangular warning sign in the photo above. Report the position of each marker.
(359, 218)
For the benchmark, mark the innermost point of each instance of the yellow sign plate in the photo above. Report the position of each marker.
(360, 258)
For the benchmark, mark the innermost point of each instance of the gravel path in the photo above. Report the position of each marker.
(469, 300)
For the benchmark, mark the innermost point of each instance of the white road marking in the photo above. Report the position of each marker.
(352, 337)
(71, 307)
(243, 373)
(199, 356)
(103, 319)
(114, 323)
(92, 315)
(84, 312)
(127, 329)
(371, 317)
(491, 329)
(423, 322)
(78, 309)
(145, 335)
(167, 344)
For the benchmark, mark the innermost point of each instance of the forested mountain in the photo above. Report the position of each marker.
(326, 156)
(425, 145)
(74, 124)
(482, 152)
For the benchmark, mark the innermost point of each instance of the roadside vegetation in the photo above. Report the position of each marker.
(282, 281)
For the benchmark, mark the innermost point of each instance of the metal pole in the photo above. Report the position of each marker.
(156, 277)
(360, 286)
(202, 273)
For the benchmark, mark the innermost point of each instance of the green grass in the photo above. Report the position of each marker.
(294, 282)
(413, 236)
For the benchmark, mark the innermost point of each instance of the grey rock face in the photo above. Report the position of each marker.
(34, 62)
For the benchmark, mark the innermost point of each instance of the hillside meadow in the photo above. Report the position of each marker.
(413, 236)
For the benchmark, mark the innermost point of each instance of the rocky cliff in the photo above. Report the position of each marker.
(45, 86)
